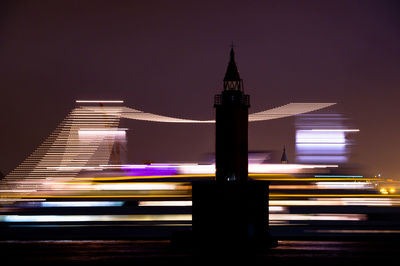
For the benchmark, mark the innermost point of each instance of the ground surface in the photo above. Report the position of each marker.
(162, 253)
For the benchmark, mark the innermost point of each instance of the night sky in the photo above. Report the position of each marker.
(169, 58)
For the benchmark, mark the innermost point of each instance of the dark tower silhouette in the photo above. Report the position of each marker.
(284, 157)
(231, 152)
(230, 214)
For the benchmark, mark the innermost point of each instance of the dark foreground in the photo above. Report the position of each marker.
(153, 252)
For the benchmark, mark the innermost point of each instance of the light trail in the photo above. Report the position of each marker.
(263, 177)
(52, 204)
(99, 101)
(95, 218)
(44, 196)
(272, 195)
(290, 109)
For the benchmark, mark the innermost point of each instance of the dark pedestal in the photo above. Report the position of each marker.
(230, 216)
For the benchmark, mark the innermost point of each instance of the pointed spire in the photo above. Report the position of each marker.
(284, 157)
(232, 73)
(232, 80)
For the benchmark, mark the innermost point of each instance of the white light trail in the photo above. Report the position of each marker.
(336, 130)
(344, 185)
(95, 133)
(95, 218)
(170, 203)
(318, 217)
(253, 168)
(99, 101)
(290, 109)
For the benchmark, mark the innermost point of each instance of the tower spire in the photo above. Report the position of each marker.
(232, 80)
(284, 157)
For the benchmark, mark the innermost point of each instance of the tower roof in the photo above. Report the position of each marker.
(232, 73)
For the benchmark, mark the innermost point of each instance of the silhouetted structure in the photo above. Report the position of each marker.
(231, 213)
(231, 152)
(284, 157)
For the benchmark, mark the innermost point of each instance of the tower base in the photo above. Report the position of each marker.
(229, 216)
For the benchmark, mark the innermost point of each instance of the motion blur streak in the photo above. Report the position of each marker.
(95, 218)
(119, 196)
(343, 185)
(165, 203)
(329, 195)
(81, 204)
(135, 186)
(317, 217)
(290, 109)
(99, 101)
(67, 151)
(337, 202)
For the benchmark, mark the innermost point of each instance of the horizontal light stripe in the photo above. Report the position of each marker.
(95, 218)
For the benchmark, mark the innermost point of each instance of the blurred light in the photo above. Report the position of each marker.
(351, 176)
(338, 130)
(290, 109)
(316, 137)
(274, 209)
(11, 200)
(325, 159)
(318, 217)
(321, 138)
(82, 204)
(196, 169)
(337, 202)
(343, 185)
(253, 168)
(165, 203)
(75, 168)
(98, 101)
(95, 218)
(284, 168)
(101, 132)
(135, 186)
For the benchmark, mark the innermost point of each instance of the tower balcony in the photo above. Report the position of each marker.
(232, 98)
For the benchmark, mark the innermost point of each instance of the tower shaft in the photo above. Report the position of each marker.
(231, 131)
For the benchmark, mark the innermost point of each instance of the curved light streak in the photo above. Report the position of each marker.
(287, 110)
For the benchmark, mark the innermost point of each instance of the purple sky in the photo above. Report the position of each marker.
(169, 57)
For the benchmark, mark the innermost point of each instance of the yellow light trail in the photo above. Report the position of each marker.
(135, 177)
(260, 177)
(272, 196)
